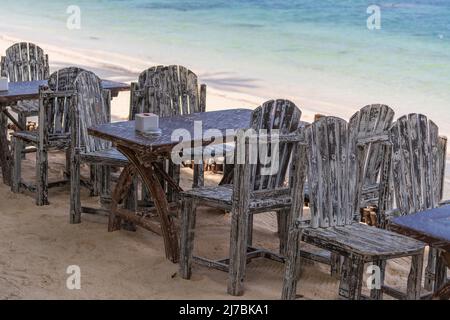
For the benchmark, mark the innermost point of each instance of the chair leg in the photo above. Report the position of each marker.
(68, 163)
(292, 265)
(430, 269)
(41, 176)
(130, 203)
(105, 185)
(377, 293)
(22, 120)
(16, 177)
(250, 231)
(174, 172)
(238, 252)
(75, 202)
(199, 174)
(351, 277)
(282, 222)
(440, 272)
(188, 215)
(415, 277)
(335, 265)
(94, 178)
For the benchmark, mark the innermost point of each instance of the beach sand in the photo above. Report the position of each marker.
(37, 244)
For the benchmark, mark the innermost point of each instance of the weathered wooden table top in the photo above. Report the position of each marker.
(431, 226)
(29, 90)
(124, 132)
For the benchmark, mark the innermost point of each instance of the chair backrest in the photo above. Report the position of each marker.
(283, 116)
(56, 103)
(172, 83)
(93, 107)
(333, 188)
(418, 163)
(64, 79)
(24, 62)
(372, 120)
(75, 93)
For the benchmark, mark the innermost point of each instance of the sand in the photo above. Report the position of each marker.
(37, 244)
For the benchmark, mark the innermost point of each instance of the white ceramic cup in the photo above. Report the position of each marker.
(146, 122)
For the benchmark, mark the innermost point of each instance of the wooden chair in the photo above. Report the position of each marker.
(92, 107)
(418, 166)
(371, 121)
(178, 84)
(53, 133)
(335, 189)
(25, 62)
(253, 191)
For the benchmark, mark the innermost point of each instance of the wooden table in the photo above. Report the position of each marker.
(432, 227)
(29, 90)
(144, 153)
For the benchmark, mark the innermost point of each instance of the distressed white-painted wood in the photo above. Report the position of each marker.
(253, 191)
(334, 192)
(418, 166)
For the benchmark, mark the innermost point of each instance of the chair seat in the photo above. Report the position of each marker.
(110, 156)
(33, 137)
(362, 239)
(27, 108)
(221, 195)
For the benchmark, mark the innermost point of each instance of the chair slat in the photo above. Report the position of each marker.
(418, 163)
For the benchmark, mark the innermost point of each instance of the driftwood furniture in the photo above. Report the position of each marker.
(24, 62)
(21, 91)
(90, 106)
(145, 153)
(418, 166)
(168, 91)
(335, 190)
(53, 133)
(432, 227)
(370, 123)
(255, 190)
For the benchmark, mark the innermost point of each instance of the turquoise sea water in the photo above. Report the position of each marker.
(321, 50)
(296, 45)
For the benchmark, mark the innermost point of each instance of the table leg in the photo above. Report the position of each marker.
(120, 192)
(145, 170)
(5, 156)
(442, 291)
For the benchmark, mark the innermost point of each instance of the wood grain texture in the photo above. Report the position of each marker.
(269, 191)
(25, 62)
(418, 167)
(168, 91)
(334, 194)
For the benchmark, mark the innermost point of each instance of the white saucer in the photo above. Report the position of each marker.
(152, 132)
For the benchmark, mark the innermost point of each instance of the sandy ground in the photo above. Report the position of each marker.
(37, 244)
